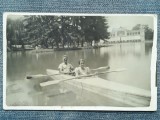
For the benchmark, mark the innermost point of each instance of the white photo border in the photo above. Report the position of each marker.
(153, 102)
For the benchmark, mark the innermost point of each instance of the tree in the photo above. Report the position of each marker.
(35, 30)
(65, 30)
(148, 31)
(14, 32)
(137, 27)
(50, 31)
(10, 33)
(47, 29)
(95, 28)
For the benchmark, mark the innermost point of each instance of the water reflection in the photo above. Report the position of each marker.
(121, 50)
(148, 48)
(37, 56)
(135, 57)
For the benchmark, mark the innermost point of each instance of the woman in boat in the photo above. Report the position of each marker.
(82, 70)
(65, 67)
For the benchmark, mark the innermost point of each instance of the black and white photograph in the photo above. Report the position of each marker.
(79, 61)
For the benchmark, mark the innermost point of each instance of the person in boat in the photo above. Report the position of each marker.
(65, 67)
(82, 69)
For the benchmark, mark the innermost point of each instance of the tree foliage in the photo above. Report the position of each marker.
(148, 31)
(57, 31)
(14, 33)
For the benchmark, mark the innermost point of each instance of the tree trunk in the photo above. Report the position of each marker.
(91, 43)
(10, 44)
(21, 43)
(57, 44)
(52, 45)
(63, 41)
(23, 46)
(82, 43)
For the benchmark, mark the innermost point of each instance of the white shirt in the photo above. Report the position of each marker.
(79, 71)
(67, 68)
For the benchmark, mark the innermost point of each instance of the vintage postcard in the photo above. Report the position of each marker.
(56, 61)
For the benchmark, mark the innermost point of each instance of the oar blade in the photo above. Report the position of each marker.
(29, 77)
(49, 83)
(105, 67)
(117, 70)
(38, 77)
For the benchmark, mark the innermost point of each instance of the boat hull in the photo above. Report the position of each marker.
(123, 93)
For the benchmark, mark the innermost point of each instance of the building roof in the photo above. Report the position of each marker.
(122, 29)
(119, 29)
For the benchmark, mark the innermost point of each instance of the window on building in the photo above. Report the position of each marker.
(120, 33)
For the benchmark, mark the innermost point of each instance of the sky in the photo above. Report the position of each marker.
(15, 17)
(129, 21)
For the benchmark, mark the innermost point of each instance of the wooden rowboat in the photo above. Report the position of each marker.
(123, 93)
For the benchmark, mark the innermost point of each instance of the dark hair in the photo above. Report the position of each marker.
(80, 61)
(65, 56)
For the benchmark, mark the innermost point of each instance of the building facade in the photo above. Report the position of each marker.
(124, 35)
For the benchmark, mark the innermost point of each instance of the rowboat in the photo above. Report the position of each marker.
(126, 94)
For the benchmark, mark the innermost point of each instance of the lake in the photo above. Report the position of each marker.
(135, 57)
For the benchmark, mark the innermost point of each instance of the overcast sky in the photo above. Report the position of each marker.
(129, 21)
(15, 17)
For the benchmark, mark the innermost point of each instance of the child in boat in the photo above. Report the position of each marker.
(65, 67)
(82, 70)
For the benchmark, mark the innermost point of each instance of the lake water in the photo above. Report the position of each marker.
(135, 57)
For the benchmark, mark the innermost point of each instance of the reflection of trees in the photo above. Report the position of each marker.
(148, 48)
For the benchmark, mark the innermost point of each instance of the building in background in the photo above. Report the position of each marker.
(124, 35)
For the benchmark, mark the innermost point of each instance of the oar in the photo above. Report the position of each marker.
(58, 81)
(37, 76)
(105, 67)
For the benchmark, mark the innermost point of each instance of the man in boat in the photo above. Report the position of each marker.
(65, 67)
(82, 70)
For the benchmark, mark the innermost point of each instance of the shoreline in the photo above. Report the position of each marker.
(74, 48)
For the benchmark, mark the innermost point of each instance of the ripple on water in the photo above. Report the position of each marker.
(17, 94)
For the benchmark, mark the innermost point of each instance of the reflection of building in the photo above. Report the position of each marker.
(123, 35)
